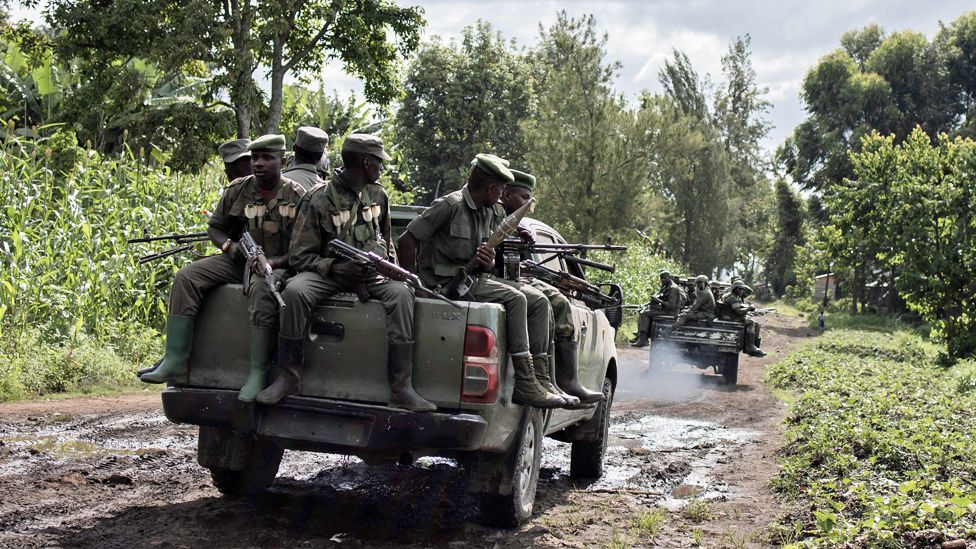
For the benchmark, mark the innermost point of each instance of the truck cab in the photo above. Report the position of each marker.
(461, 364)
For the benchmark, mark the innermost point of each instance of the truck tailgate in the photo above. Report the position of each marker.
(345, 351)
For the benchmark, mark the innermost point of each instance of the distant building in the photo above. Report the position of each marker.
(825, 285)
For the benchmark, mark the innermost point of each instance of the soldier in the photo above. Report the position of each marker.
(562, 327)
(734, 299)
(666, 302)
(355, 208)
(264, 204)
(237, 163)
(309, 149)
(450, 231)
(236, 157)
(703, 309)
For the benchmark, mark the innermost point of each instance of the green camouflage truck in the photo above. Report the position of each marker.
(461, 365)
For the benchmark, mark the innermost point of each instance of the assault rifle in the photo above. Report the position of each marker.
(255, 253)
(183, 243)
(761, 311)
(384, 268)
(574, 286)
(462, 282)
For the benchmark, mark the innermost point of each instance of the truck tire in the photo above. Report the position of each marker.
(730, 370)
(511, 510)
(586, 458)
(260, 469)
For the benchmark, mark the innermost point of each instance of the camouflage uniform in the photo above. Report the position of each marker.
(359, 219)
(450, 232)
(672, 300)
(305, 175)
(236, 211)
(703, 309)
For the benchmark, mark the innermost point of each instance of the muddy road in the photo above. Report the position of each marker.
(690, 455)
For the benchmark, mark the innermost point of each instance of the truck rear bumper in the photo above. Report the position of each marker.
(326, 425)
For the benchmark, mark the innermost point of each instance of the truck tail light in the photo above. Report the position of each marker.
(480, 363)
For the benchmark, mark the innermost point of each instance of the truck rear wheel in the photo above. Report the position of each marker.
(511, 510)
(730, 370)
(260, 468)
(586, 458)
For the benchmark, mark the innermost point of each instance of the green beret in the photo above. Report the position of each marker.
(664, 272)
(494, 166)
(522, 179)
(506, 163)
(311, 139)
(366, 144)
(232, 150)
(272, 142)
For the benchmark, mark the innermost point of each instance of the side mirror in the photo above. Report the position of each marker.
(614, 313)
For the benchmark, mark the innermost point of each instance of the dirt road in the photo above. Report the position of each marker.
(112, 472)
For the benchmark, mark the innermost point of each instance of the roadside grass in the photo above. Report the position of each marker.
(698, 511)
(878, 448)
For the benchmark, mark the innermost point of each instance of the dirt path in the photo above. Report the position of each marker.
(113, 472)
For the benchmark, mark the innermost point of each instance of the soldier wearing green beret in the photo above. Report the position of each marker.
(452, 231)
(265, 205)
(236, 158)
(703, 309)
(666, 302)
(734, 302)
(562, 326)
(310, 145)
(354, 208)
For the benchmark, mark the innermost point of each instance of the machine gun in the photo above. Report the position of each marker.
(384, 268)
(183, 243)
(571, 285)
(565, 251)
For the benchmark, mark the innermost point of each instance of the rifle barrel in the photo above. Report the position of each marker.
(188, 237)
(590, 263)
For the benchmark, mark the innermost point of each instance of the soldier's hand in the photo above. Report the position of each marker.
(486, 256)
(235, 251)
(353, 270)
(526, 235)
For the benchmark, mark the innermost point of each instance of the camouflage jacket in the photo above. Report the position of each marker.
(671, 299)
(304, 174)
(737, 308)
(271, 223)
(335, 210)
(449, 232)
(704, 303)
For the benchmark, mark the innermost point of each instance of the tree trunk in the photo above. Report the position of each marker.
(277, 87)
(242, 66)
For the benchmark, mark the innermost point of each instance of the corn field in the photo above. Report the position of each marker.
(67, 213)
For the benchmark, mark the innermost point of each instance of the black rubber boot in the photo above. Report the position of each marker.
(527, 389)
(291, 355)
(641, 340)
(567, 375)
(179, 337)
(262, 344)
(399, 373)
(750, 346)
(540, 364)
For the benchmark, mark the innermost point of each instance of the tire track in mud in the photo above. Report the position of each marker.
(123, 475)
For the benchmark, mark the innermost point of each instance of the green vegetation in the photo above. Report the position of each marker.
(879, 446)
(698, 510)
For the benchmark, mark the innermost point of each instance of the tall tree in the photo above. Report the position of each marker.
(583, 144)
(788, 234)
(236, 37)
(462, 98)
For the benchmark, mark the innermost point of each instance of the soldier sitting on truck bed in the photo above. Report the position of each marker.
(310, 144)
(666, 302)
(450, 232)
(734, 303)
(354, 208)
(262, 204)
(562, 327)
(703, 309)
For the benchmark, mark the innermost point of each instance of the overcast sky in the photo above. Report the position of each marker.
(787, 36)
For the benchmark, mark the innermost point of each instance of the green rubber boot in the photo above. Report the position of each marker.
(263, 341)
(179, 336)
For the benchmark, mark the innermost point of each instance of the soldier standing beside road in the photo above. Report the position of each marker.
(450, 231)
(703, 309)
(666, 302)
(310, 144)
(263, 204)
(562, 327)
(354, 208)
(739, 310)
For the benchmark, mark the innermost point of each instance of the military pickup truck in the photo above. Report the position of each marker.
(462, 366)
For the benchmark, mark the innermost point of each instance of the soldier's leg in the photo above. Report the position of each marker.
(190, 285)
(751, 330)
(397, 300)
(301, 294)
(541, 313)
(263, 312)
(527, 388)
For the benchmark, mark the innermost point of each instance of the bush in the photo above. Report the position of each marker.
(878, 449)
